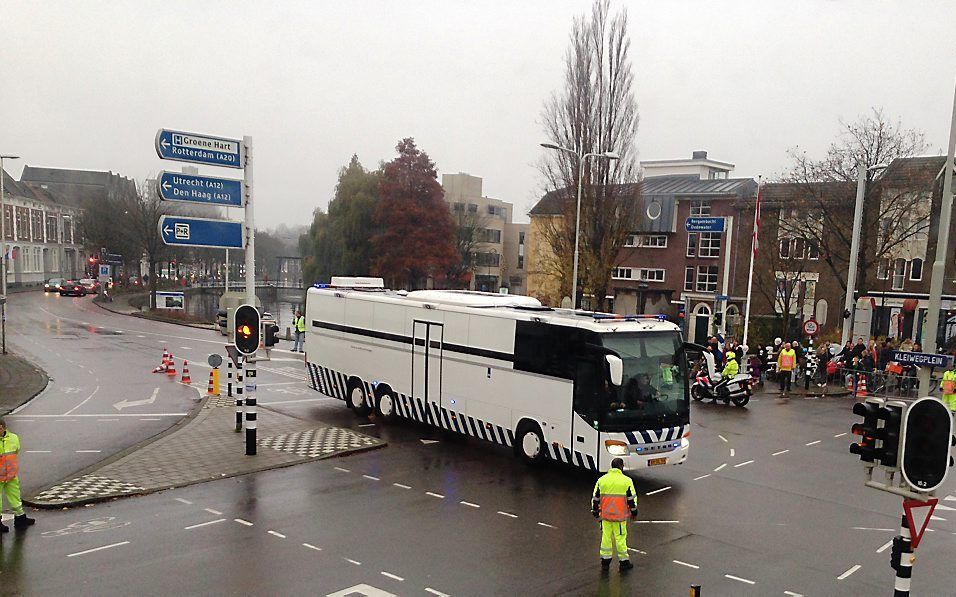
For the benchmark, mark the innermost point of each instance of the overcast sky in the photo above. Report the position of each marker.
(87, 84)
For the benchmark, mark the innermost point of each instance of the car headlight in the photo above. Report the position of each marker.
(616, 448)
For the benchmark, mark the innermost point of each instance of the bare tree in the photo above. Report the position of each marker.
(595, 112)
(784, 286)
(470, 229)
(145, 210)
(828, 188)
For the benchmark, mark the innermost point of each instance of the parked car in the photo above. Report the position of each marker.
(71, 288)
(90, 286)
(54, 285)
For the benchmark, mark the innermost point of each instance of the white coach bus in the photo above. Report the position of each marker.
(577, 387)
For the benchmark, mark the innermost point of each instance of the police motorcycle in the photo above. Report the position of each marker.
(708, 384)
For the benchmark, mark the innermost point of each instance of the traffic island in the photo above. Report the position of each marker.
(205, 448)
(20, 381)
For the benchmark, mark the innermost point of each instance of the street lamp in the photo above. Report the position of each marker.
(3, 258)
(849, 305)
(609, 155)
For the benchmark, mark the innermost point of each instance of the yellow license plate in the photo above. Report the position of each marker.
(656, 461)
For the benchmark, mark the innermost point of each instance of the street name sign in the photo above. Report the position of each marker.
(920, 358)
(704, 225)
(206, 190)
(184, 231)
(199, 149)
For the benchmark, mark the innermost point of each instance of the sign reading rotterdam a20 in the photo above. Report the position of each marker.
(199, 149)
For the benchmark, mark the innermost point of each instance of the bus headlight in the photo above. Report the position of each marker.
(615, 448)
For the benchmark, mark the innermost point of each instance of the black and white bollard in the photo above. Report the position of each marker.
(250, 408)
(239, 403)
(904, 571)
(229, 378)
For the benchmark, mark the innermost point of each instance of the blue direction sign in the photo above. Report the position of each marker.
(199, 149)
(920, 358)
(704, 225)
(207, 190)
(182, 231)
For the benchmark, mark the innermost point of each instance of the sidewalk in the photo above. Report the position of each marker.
(19, 382)
(204, 448)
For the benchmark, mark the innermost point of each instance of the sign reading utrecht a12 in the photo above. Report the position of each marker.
(199, 149)
(811, 327)
(206, 190)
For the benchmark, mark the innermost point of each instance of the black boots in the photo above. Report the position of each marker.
(626, 565)
(605, 563)
(22, 521)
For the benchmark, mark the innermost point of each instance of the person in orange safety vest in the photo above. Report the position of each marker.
(614, 501)
(10, 478)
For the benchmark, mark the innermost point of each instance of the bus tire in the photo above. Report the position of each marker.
(529, 442)
(385, 403)
(357, 399)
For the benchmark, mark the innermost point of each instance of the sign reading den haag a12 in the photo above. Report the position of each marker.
(206, 190)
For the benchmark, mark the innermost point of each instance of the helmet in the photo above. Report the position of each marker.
(731, 355)
(777, 341)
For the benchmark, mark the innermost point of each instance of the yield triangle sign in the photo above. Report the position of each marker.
(917, 515)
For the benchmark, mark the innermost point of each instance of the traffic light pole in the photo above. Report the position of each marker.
(239, 404)
(250, 361)
(904, 571)
(250, 407)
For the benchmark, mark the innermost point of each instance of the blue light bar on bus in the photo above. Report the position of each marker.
(318, 285)
(616, 317)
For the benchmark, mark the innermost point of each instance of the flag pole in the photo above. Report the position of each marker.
(753, 257)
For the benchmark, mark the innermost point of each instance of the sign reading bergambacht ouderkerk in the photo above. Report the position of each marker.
(704, 225)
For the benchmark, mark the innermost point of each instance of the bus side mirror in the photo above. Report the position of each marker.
(616, 368)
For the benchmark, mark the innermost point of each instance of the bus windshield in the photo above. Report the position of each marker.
(653, 392)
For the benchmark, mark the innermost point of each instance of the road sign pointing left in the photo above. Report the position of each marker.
(199, 149)
(201, 232)
(917, 516)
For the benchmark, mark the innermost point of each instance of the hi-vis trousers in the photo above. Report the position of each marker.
(11, 489)
(614, 535)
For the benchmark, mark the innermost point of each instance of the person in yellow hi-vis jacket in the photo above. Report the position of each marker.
(948, 386)
(10, 479)
(614, 501)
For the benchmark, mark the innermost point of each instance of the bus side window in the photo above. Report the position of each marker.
(587, 385)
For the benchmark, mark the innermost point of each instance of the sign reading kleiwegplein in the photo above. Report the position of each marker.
(920, 358)
(199, 149)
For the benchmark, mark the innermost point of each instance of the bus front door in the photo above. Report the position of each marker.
(427, 367)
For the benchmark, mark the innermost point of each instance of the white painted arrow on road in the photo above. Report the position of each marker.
(429, 441)
(128, 403)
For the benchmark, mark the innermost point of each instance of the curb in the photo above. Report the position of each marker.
(46, 384)
(208, 327)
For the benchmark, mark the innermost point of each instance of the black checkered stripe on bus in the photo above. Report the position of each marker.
(334, 384)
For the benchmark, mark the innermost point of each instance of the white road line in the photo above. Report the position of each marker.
(720, 467)
(694, 566)
(202, 524)
(437, 593)
(840, 434)
(849, 572)
(792, 594)
(277, 383)
(656, 522)
(871, 529)
(722, 437)
(344, 470)
(934, 517)
(438, 495)
(637, 551)
(701, 477)
(658, 490)
(352, 561)
(295, 401)
(393, 576)
(743, 464)
(732, 453)
(80, 553)
(544, 524)
(98, 415)
(813, 443)
(88, 451)
(138, 336)
(469, 504)
(149, 419)
(106, 420)
(82, 403)
(400, 485)
(508, 514)
(241, 521)
(780, 452)
(38, 451)
(371, 477)
(885, 546)
(185, 348)
(187, 502)
(310, 546)
(367, 425)
(211, 511)
(279, 535)
(737, 578)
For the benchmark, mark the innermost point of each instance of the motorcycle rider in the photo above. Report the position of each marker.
(731, 368)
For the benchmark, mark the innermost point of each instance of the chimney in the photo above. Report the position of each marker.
(700, 155)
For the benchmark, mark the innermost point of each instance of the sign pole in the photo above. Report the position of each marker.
(722, 304)
(904, 572)
(250, 400)
(239, 403)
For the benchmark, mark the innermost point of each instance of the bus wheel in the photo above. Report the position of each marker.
(357, 399)
(386, 403)
(529, 443)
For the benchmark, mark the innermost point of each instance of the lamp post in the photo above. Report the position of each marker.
(3, 258)
(609, 155)
(849, 305)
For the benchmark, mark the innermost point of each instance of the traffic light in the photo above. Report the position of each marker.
(867, 430)
(889, 451)
(271, 330)
(246, 329)
(927, 436)
(718, 317)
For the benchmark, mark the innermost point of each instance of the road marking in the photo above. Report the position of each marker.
(720, 467)
(658, 490)
(813, 443)
(469, 504)
(185, 348)
(106, 420)
(656, 522)
(279, 535)
(149, 419)
(367, 425)
(310, 546)
(434, 592)
(80, 553)
(140, 336)
(400, 485)
(438, 495)
(508, 514)
(202, 524)
(792, 594)
(371, 477)
(743, 464)
(278, 383)
(65, 421)
(849, 572)
(324, 398)
(737, 578)
(98, 415)
(694, 566)
(934, 517)
(38, 451)
(88, 451)
(840, 434)
(181, 500)
(885, 546)
(637, 551)
(393, 576)
(780, 452)
(211, 511)
(344, 470)
(701, 477)
(722, 437)
(732, 453)
(544, 524)
(352, 561)
(871, 529)
(241, 521)
(82, 403)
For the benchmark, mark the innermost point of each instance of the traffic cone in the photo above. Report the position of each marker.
(171, 367)
(210, 389)
(849, 382)
(861, 387)
(186, 378)
(165, 362)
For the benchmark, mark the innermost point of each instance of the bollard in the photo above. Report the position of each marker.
(288, 333)
(239, 402)
(229, 377)
(695, 591)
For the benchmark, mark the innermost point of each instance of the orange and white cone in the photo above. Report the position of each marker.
(171, 367)
(186, 378)
(210, 386)
(165, 363)
(861, 387)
